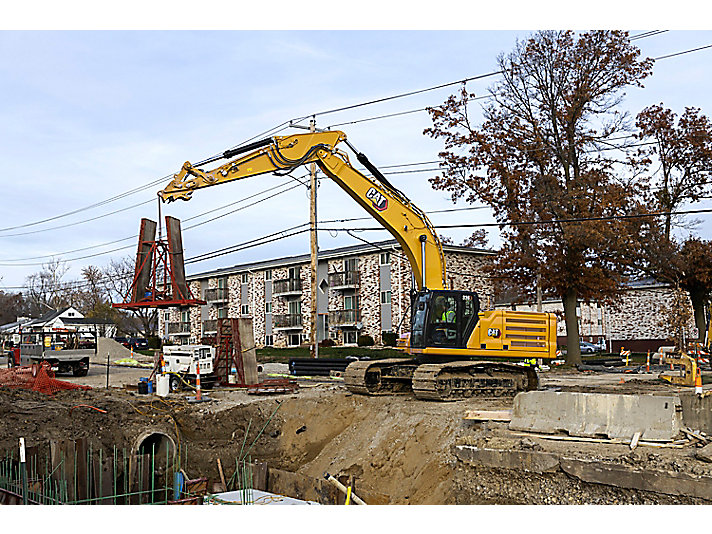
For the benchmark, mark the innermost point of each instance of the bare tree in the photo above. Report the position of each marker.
(46, 288)
(117, 279)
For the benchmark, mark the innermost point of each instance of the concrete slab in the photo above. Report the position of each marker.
(535, 462)
(657, 418)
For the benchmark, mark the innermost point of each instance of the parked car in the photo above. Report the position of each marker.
(138, 343)
(588, 348)
(123, 340)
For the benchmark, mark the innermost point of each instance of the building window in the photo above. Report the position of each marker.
(351, 264)
(268, 274)
(221, 283)
(245, 277)
(349, 302)
(269, 341)
(295, 340)
(385, 297)
(294, 273)
(245, 309)
(222, 313)
(166, 316)
(350, 336)
(268, 307)
(295, 307)
(385, 258)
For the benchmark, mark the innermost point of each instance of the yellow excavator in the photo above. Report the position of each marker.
(450, 338)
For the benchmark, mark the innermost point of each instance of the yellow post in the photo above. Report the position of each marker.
(348, 496)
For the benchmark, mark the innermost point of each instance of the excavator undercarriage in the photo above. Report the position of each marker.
(439, 381)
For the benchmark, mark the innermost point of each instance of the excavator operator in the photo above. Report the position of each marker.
(444, 317)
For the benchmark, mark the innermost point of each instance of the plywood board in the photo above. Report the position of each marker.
(488, 415)
(249, 354)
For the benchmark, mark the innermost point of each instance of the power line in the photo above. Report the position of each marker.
(153, 183)
(80, 222)
(286, 124)
(550, 221)
(131, 246)
(440, 86)
(683, 52)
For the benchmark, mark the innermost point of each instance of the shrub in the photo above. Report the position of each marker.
(154, 342)
(328, 342)
(389, 339)
(365, 341)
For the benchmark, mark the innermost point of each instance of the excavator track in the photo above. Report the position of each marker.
(380, 377)
(461, 380)
(439, 381)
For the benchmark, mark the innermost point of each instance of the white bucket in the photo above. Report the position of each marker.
(162, 385)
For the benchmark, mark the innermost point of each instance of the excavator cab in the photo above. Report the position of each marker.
(443, 318)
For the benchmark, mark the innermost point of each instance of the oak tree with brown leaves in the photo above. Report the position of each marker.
(536, 160)
(679, 160)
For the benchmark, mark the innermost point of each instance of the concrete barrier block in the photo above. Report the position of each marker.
(658, 418)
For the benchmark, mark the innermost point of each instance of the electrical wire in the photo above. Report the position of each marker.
(3, 264)
(286, 124)
(148, 185)
(291, 122)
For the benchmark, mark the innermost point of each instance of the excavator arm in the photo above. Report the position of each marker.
(281, 154)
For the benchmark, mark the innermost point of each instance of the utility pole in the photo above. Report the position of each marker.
(314, 253)
(538, 293)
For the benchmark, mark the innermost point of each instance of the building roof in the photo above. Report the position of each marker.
(10, 326)
(351, 250)
(47, 317)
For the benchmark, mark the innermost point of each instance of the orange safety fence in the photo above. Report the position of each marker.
(37, 377)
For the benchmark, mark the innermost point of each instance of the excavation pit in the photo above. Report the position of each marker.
(395, 450)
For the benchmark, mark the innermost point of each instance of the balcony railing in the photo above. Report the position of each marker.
(343, 317)
(179, 328)
(217, 294)
(210, 325)
(289, 320)
(343, 279)
(286, 286)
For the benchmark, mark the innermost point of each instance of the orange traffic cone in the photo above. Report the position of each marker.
(197, 381)
(647, 363)
(698, 382)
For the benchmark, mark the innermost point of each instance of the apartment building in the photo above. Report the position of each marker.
(637, 321)
(362, 289)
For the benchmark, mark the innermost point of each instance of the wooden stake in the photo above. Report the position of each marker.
(222, 475)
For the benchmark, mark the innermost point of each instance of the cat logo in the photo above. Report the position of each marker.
(379, 201)
(493, 332)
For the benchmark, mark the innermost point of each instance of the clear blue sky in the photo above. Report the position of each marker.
(89, 115)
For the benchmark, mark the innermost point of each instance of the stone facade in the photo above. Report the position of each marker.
(636, 321)
(380, 294)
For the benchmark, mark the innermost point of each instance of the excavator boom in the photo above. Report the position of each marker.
(406, 222)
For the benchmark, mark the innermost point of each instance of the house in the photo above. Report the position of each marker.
(64, 319)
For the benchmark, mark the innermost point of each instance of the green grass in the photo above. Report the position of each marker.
(271, 354)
